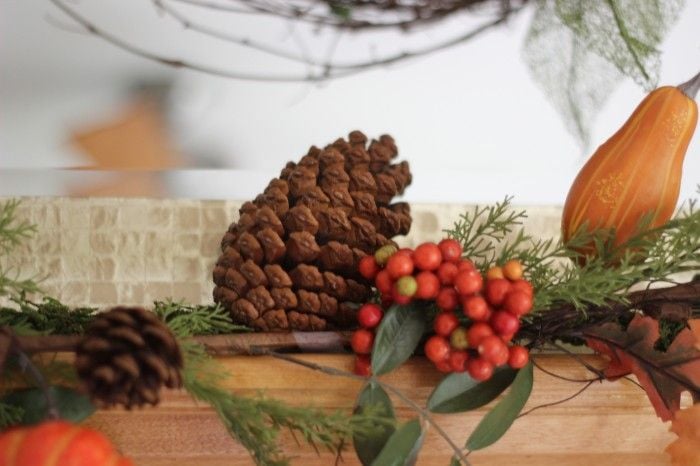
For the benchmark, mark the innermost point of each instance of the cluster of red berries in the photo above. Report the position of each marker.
(491, 306)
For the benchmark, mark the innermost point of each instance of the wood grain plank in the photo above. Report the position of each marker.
(611, 423)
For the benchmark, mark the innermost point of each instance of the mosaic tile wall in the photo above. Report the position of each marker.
(101, 252)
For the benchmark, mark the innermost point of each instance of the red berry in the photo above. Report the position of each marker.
(406, 286)
(451, 250)
(475, 307)
(522, 285)
(369, 315)
(427, 256)
(383, 254)
(504, 323)
(387, 301)
(447, 273)
(444, 366)
(428, 285)
(383, 282)
(362, 341)
(458, 361)
(363, 365)
(368, 267)
(398, 298)
(494, 350)
(446, 299)
(468, 282)
(513, 270)
(458, 338)
(406, 251)
(445, 323)
(479, 369)
(437, 348)
(496, 291)
(518, 302)
(399, 265)
(507, 338)
(477, 332)
(465, 264)
(518, 357)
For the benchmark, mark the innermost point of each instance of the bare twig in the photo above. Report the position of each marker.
(329, 71)
(564, 400)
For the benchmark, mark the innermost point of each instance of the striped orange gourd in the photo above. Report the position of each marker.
(637, 172)
(58, 443)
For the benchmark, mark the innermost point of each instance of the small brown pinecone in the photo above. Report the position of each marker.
(127, 355)
(290, 261)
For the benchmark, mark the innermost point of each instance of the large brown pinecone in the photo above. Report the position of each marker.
(127, 356)
(290, 261)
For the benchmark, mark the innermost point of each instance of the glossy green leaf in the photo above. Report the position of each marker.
(397, 337)
(458, 392)
(72, 405)
(373, 397)
(501, 417)
(403, 446)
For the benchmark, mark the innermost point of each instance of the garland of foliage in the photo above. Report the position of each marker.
(580, 299)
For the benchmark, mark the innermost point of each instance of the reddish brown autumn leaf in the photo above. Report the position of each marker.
(664, 375)
(695, 328)
(685, 451)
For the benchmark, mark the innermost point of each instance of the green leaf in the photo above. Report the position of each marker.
(397, 337)
(72, 405)
(373, 397)
(499, 419)
(458, 392)
(403, 446)
(455, 461)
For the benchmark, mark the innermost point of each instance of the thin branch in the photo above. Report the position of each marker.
(561, 377)
(564, 400)
(345, 70)
(342, 373)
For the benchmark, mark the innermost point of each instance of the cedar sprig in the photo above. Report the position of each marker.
(257, 422)
(49, 316)
(480, 230)
(209, 319)
(492, 235)
(13, 232)
(10, 415)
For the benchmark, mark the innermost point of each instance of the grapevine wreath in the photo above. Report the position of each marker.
(315, 253)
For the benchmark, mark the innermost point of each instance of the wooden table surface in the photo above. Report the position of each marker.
(611, 423)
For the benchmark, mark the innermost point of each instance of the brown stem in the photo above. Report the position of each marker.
(691, 87)
(242, 343)
(673, 303)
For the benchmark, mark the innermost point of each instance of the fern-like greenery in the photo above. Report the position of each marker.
(13, 232)
(491, 235)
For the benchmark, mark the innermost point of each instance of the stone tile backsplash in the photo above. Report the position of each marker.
(101, 252)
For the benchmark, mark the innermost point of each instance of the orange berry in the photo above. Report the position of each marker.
(494, 273)
(513, 270)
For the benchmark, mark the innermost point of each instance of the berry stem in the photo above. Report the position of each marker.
(342, 373)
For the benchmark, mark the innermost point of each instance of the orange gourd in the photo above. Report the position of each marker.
(637, 172)
(58, 443)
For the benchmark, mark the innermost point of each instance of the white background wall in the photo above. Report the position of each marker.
(470, 119)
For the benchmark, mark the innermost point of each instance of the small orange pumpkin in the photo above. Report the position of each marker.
(58, 443)
(637, 172)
